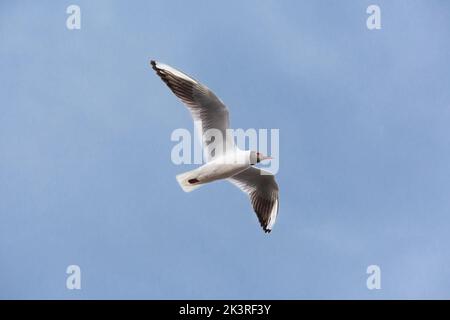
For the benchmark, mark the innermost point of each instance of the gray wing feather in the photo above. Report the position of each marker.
(203, 105)
(262, 190)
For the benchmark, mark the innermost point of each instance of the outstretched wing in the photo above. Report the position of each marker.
(204, 106)
(263, 192)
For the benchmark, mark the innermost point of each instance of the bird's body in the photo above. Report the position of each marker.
(223, 167)
(224, 159)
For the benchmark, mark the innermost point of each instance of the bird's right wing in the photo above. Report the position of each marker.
(262, 189)
(204, 107)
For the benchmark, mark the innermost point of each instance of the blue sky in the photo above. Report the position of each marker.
(85, 170)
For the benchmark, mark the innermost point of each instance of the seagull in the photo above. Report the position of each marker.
(224, 159)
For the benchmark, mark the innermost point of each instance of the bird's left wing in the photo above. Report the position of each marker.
(204, 105)
(262, 189)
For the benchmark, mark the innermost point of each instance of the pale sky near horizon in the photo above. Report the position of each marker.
(85, 170)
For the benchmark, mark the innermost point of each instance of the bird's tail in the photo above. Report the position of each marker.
(188, 181)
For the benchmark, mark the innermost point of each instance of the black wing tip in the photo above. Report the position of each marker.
(267, 230)
(264, 226)
(159, 71)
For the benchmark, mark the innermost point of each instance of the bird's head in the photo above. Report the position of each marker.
(257, 157)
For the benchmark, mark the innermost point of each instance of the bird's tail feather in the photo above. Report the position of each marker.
(188, 181)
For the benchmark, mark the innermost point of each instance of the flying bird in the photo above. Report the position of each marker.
(224, 159)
